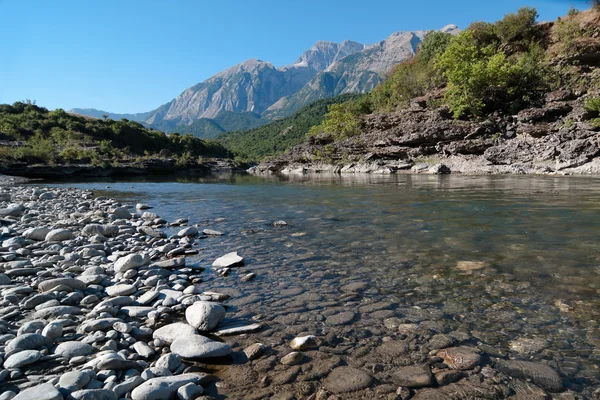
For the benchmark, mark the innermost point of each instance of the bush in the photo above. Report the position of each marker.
(410, 79)
(517, 27)
(592, 106)
(340, 122)
(482, 79)
(184, 160)
(433, 43)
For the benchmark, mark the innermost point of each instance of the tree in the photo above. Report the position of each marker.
(105, 116)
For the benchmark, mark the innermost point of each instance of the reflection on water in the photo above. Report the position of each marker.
(534, 241)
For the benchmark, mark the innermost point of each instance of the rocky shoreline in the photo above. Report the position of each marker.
(99, 302)
(145, 168)
(556, 137)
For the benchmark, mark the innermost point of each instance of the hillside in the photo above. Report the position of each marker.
(33, 135)
(515, 96)
(281, 135)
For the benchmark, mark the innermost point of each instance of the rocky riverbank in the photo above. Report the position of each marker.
(143, 168)
(100, 302)
(556, 137)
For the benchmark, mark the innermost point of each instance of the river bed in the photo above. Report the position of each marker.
(510, 262)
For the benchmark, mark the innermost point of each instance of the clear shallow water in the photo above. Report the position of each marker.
(538, 238)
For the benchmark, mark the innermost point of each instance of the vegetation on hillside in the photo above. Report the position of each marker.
(33, 134)
(281, 135)
(504, 66)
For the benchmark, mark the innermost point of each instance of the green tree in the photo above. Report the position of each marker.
(519, 26)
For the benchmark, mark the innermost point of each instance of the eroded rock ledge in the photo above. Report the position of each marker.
(556, 138)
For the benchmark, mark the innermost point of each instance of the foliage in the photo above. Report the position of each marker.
(410, 79)
(341, 121)
(573, 33)
(517, 27)
(592, 106)
(281, 135)
(482, 79)
(56, 136)
(433, 43)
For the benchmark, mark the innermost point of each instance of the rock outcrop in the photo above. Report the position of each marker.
(555, 137)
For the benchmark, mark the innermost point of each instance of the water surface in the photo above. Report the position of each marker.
(537, 239)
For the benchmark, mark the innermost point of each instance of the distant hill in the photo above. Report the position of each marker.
(281, 135)
(91, 112)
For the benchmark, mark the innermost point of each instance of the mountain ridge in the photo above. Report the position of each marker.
(254, 86)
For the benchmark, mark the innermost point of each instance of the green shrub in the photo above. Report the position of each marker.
(410, 79)
(592, 106)
(482, 79)
(184, 160)
(433, 43)
(519, 26)
(340, 122)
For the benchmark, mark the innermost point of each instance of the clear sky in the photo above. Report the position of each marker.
(134, 55)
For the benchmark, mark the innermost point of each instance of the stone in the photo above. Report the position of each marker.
(204, 315)
(342, 318)
(59, 235)
(460, 358)
(254, 351)
(165, 387)
(120, 290)
(136, 311)
(94, 394)
(142, 206)
(22, 359)
(304, 343)
(447, 376)
(73, 349)
(130, 261)
(211, 232)
(169, 361)
(189, 391)
(469, 266)
(27, 341)
(50, 284)
(143, 349)
(538, 373)
(121, 213)
(346, 380)
(4, 280)
(189, 231)
(117, 363)
(55, 312)
(528, 346)
(169, 333)
(293, 358)
(98, 229)
(74, 380)
(38, 233)
(197, 347)
(228, 260)
(414, 376)
(127, 386)
(45, 391)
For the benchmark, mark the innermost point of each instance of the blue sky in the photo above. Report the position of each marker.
(134, 55)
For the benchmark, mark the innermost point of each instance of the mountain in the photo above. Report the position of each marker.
(327, 69)
(359, 72)
(92, 112)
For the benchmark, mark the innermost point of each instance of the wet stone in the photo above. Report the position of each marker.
(342, 318)
(460, 358)
(347, 379)
(413, 376)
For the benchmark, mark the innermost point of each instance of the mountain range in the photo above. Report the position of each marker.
(256, 92)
